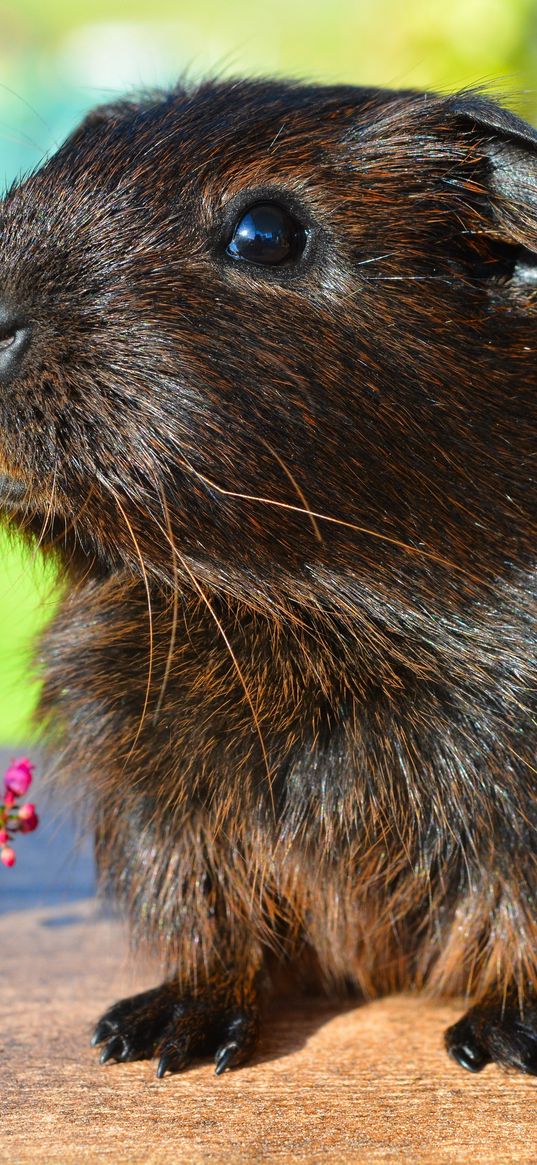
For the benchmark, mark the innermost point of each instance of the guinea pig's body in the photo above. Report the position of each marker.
(269, 392)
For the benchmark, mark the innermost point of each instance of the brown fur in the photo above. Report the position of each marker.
(293, 672)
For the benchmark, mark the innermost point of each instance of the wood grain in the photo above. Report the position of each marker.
(365, 1084)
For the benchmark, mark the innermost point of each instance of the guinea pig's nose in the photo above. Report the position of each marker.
(14, 340)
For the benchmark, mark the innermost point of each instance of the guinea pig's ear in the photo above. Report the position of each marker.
(492, 117)
(508, 145)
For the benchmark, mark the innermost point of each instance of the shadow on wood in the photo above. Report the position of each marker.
(331, 1083)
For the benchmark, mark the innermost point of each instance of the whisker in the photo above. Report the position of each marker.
(173, 634)
(418, 550)
(24, 101)
(296, 486)
(377, 259)
(69, 526)
(150, 620)
(48, 513)
(235, 662)
(411, 279)
(18, 138)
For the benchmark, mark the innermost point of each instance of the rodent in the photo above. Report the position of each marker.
(267, 360)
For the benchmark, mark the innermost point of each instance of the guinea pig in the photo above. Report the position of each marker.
(268, 395)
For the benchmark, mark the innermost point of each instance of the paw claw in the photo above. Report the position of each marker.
(114, 1050)
(162, 1066)
(491, 1032)
(172, 1059)
(102, 1031)
(469, 1056)
(225, 1056)
(177, 1028)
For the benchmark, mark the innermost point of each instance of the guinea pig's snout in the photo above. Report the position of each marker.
(14, 340)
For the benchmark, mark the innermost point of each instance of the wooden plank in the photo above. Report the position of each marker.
(331, 1084)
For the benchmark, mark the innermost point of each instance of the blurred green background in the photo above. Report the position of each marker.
(57, 60)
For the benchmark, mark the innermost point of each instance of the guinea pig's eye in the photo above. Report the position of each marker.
(267, 234)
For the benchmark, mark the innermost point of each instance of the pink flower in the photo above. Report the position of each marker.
(16, 818)
(19, 777)
(28, 818)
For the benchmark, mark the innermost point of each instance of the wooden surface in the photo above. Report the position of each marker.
(366, 1084)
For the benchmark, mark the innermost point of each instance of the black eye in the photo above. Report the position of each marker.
(267, 234)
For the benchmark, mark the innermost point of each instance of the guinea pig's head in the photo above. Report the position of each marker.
(277, 338)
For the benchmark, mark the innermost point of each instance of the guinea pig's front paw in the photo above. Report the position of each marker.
(492, 1032)
(178, 1029)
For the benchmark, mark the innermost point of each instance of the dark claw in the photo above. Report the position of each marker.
(172, 1060)
(102, 1031)
(175, 1029)
(225, 1057)
(465, 1047)
(163, 1065)
(114, 1050)
(469, 1056)
(495, 1031)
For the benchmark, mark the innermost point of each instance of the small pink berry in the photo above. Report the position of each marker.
(4, 836)
(9, 799)
(7, 856)
(22, 762)
(19, 776)
(28, 818)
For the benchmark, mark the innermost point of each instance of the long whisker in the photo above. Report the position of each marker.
(409, 279)
(417, 550)
(236, 665)
(150, 620)
(48, 512)
(296, 486)
(23, 101)
(68, 526)
(173, 634)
